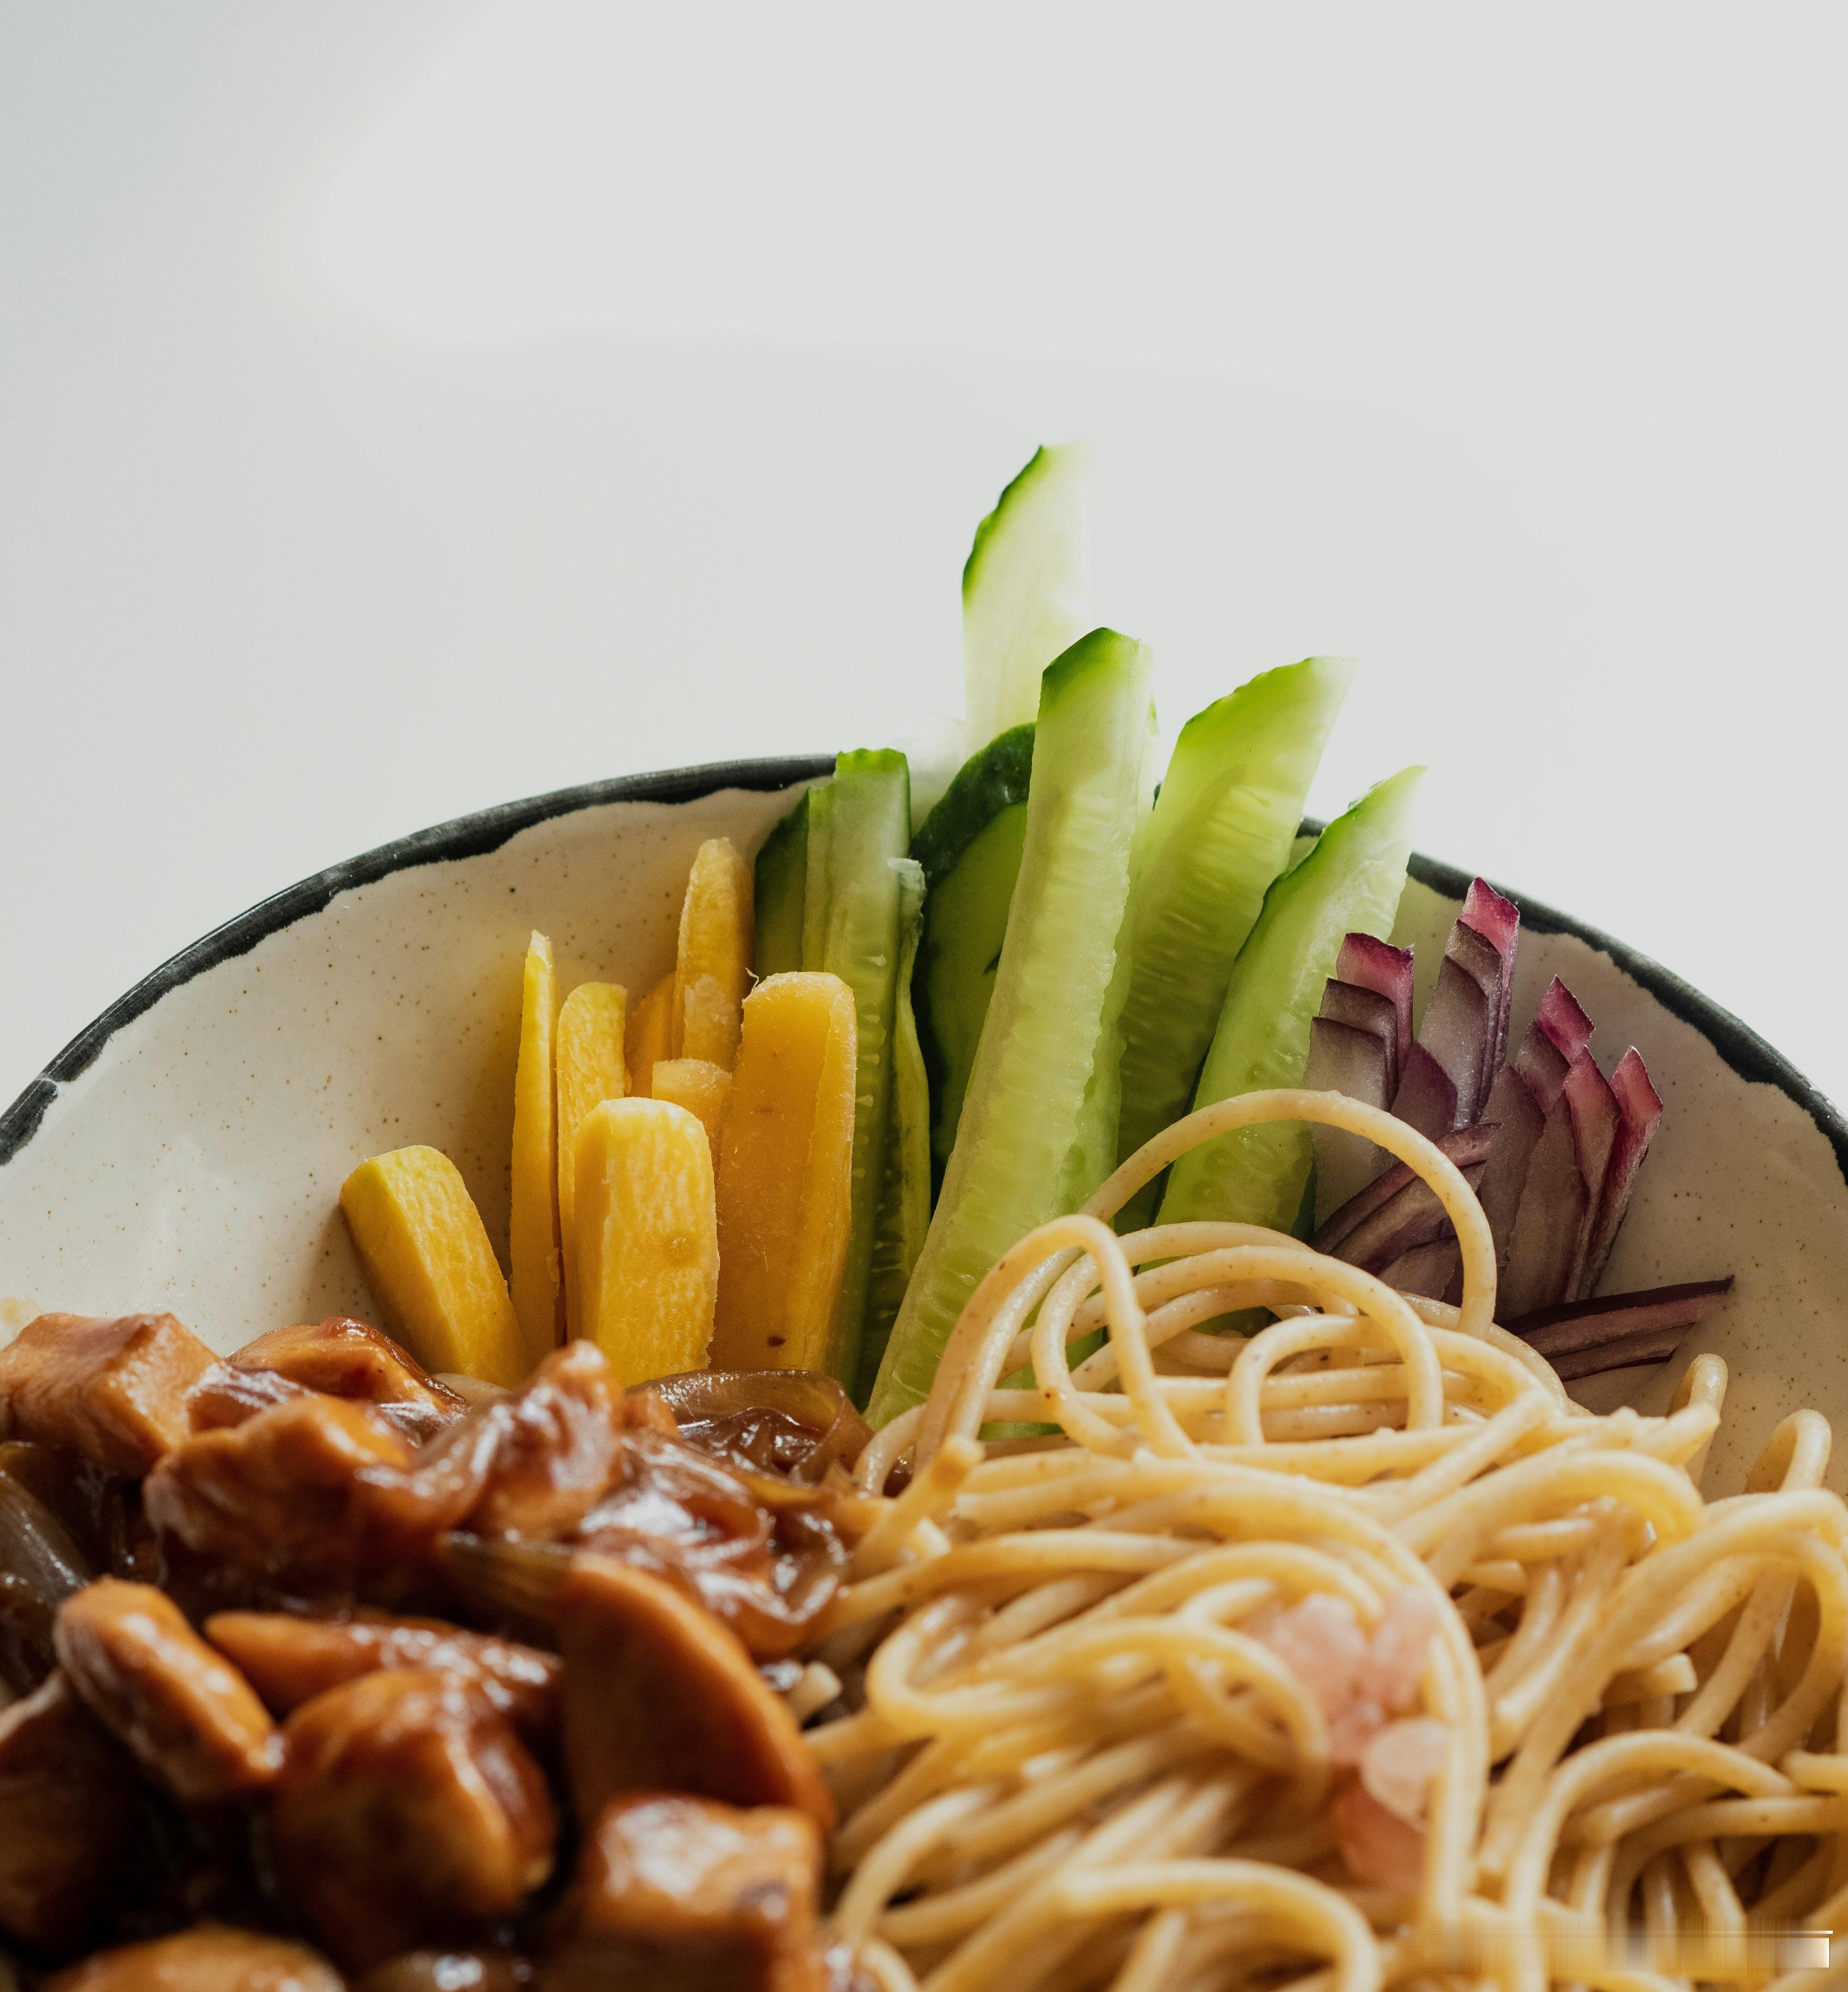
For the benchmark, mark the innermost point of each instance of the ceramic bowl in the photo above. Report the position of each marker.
(187, 1150)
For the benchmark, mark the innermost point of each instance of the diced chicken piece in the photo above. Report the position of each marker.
(289, 1660)
(66, 1792)
(407, 1813)
(226, 1395)
(309, 1494)
(209, 1958)
(189, 1716)
(534, 1463)
(680, 1894)
(660, 1696)
(113, 1390)
(346, 1359)
(449, 1971)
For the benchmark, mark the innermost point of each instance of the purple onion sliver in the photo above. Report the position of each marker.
(1496, 920)
(1548, 1221)
(1564, 1021)
(1540, 1062)
(1656, 1347)
(1425, 1269)
(1466, 1147)
(1479, 960)
(1413, 1218)
(1517, 1119)
(1364, 1009)
(1639, 1108)
(1590, 1323)
(1372, 963)
(1459, 1021)
(1426, 1100)
(1593, 1107)
(1343, 1059)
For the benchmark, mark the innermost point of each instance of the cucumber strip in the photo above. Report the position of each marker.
(905, 1196)
(782, 881)
(1049, 1020)
(1349, 883)
(1026, 589)
(1222, 830)
(969, 849)
(859, 824)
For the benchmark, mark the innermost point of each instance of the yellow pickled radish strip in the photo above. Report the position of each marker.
(699, 1087)
(710, 1022)
(590, 1070)
(650, 1029)
(647, 1237)
(785, 1164)
(432, 1269)
(536, 1273)
(717, 945)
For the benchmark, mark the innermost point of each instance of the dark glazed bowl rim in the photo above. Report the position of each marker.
(483, 830)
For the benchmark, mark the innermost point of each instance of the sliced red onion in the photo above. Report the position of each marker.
(1412, 1218)
(1646, 1350)
(1499, 922)
(1517, 1119)
(1540, 1063)
(1564, 1021)
(1587, 1324)
(1363, 1009)
(1639, 1107)
(1458, 1030)
(1431, 1270)
(1481, 960)
(1548, 1222)
(1593, 1107)
(1378, 965)
(1466, 1147)
(1426, 1098)
(1344, 1058)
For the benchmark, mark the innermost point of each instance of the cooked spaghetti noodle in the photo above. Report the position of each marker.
(1354, 1654)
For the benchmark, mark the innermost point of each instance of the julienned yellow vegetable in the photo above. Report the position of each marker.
(536, 1273)
(430, 1266)
(590, 1070)
(647, 1237)
(701, 1087)
(712, 969)
(785, 1177)
(649, 1032)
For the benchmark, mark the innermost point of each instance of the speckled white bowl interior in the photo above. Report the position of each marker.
(187, 1152)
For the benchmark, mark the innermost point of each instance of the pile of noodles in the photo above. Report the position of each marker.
(1078, 1754)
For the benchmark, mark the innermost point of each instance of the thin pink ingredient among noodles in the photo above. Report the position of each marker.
(1381, 1851)
(1358, 1683)
(1398, 1765)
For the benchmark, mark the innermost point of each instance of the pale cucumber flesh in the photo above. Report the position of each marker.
(1031, 1106)
(1350, 882)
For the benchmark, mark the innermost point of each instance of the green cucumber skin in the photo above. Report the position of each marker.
(1025, 1126)
(1221, 830)
(859, 824)
(781, 882)
(904, 1193)
(985, 784)
(1026, 589)
(965, 924)
(1349, 883)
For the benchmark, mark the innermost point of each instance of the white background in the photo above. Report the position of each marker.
(404, 407)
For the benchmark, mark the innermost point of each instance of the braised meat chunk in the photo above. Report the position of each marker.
(450, 1971)
(66, 1792)
(305, 1496)
(209, 1958)
(680, 1894)
(346, 1358)
(289, 1660)
(190, 1718)
(113, 1390)
(407, 1813)
(660, 1696)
